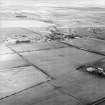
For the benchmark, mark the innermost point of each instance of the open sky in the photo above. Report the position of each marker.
(53, 2)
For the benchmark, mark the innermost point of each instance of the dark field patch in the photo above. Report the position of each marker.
(97, 68)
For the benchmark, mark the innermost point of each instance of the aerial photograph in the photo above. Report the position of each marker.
(52, 52)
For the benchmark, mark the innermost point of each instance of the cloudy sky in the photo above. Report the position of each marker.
(53, 2)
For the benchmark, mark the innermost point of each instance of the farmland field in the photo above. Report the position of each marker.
(54, 49)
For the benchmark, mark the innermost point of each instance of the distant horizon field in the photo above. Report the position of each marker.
(85, 22)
